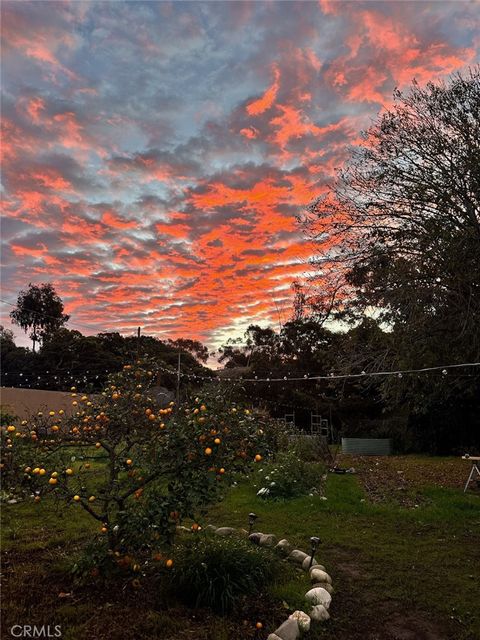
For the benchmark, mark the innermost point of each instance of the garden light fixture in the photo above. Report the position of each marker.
(251, 521)
(314, 541)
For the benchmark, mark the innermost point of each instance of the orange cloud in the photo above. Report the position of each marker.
(249, 132)
(267, 100)
(113, 221)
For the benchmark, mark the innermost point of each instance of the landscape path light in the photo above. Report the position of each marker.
(251, 521)
(314, 541)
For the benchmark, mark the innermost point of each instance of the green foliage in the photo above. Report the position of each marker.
(214, 572)
(7, 416)
(289, 477)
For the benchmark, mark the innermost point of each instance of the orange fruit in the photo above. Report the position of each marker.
(69, 472)
(169, 563)
(52, 481)
(76, 498)
(217, 441)
(258, 457)
(208, 451)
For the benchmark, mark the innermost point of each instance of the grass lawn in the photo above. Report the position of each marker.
(400, 540)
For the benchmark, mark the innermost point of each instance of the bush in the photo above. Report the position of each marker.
(7, 416)
(289, 477)
(212, 571)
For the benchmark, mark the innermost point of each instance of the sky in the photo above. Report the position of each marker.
(155, 155)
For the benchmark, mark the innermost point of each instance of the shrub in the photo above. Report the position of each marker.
(7, 416)
(289, 477)
(212, 571)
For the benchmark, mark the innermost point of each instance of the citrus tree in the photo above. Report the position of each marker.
(137, 468)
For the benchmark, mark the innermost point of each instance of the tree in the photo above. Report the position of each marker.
(196, 348)
(399, 233)
(154, 466)
(39, 308)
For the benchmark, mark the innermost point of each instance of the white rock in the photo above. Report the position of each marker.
(318, 595)
(273, 636)
(255, 537)
(283, 547)
(288, 630)
(317, 575)
(267, 540)
(297, 556)
(303, 620)
(210, 527)
(225, 531)
(319, 613)
(306, 563)
(324, 585)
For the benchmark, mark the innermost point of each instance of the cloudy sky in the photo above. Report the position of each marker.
(155, 154)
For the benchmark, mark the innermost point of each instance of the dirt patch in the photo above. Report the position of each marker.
(401, 478)
(372, 618)
(413, 626)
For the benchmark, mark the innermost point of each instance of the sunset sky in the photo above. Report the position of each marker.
(155, 154)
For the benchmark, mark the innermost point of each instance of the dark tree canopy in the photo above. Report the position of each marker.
(398, 235)
(40, 309)
(400, 228)
(196, 348)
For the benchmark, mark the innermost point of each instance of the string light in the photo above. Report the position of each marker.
(333, 376)
(67, 374)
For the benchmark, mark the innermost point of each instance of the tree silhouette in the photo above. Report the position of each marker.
(40, 309)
